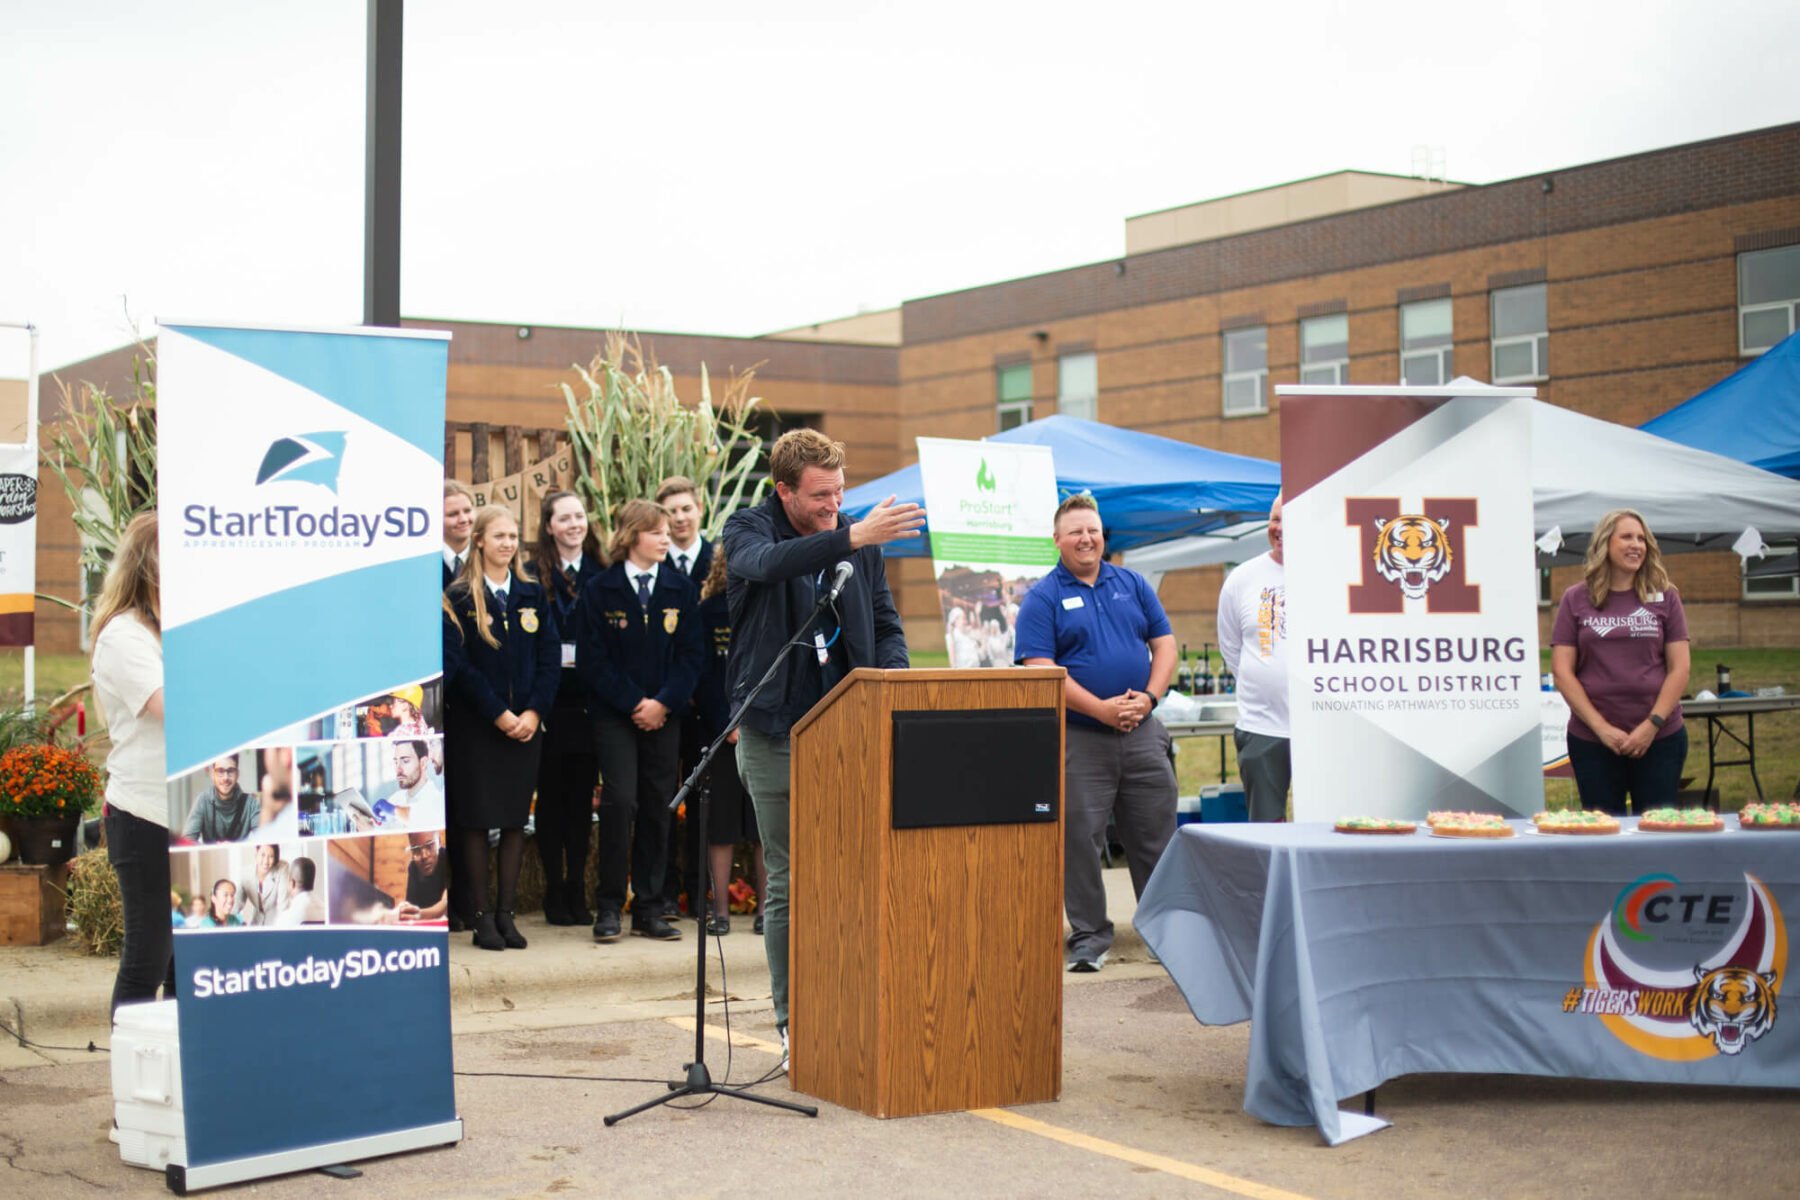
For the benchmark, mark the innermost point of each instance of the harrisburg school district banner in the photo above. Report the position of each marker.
(1412, 601)
(18, 543)
(992, 507)
(299, 479)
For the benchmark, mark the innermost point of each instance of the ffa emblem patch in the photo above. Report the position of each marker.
(528, 620)
(671, 617)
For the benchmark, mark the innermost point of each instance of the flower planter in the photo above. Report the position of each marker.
(44, 841)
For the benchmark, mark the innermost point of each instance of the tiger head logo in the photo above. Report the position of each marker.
(1412, 552)
(1732, 1005)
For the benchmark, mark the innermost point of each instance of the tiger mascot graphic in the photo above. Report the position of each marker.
(1732, 1005)
(1413, 552)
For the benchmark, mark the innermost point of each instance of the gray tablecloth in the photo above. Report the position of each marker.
(1360, 958)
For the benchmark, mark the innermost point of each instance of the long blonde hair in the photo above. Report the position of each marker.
(472, 578)
(134, 581)
(1651, 578)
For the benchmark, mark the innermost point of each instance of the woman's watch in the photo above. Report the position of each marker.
(1656, 720)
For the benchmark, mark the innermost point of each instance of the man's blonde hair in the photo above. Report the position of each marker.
(1080, 502)
(798, 449)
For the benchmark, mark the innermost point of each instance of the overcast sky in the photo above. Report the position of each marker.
(568, 164)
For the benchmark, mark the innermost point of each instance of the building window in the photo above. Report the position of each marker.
(1425, 337)
(1776, 575)
(1246, 371)
(1768, 297)
(1521, 334)
(1078, 386)
(1544, 597)
(1014, 390)
(1324, 349)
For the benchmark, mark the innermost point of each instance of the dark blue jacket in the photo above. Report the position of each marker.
(522, 673)
(701, 565)
(712, 695)
(624, 654)
(771, 585)
(564, 599)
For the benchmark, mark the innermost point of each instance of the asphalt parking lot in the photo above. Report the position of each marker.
(1151, 1107)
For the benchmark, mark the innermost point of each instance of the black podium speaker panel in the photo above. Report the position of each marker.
(996, 766)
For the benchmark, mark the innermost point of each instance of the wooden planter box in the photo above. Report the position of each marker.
(31, 904)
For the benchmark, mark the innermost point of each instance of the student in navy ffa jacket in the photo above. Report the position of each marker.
(639, 654)
(730, 817)
(692, 555)
(566, 557)
(459, 517)
(501, 655)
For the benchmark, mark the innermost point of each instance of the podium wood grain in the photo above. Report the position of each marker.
(925, 964)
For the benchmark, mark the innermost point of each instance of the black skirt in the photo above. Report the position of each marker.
(729, 816)
(488, 777)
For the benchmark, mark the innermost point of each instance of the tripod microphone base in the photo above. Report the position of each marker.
(699, 1083)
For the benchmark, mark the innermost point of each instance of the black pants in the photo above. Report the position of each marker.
(686, 853)
(139, 852)
(638, 778)
(1603, 778)
(565, 794)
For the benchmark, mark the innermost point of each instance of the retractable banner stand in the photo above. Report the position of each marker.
(18, 542)
(992, 508)
(300, 480)
(1411, 601)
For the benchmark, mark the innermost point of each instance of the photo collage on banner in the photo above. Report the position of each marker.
(991, 509)
(343, 824)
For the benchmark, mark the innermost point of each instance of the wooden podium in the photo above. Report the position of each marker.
(926, 963)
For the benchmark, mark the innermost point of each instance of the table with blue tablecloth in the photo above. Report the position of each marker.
(1358, 958)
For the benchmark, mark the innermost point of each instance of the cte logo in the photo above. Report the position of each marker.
(1413, 556)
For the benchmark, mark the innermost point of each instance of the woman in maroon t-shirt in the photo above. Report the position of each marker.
(1619, 652)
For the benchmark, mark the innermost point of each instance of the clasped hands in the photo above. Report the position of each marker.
(1126, 711)
(520, 728)
(1629, 745)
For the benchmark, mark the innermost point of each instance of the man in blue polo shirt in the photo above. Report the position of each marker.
(1105, 625)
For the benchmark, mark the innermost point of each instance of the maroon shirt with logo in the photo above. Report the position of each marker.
(1619, 653)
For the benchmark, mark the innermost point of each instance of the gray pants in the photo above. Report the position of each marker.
(1130, 777)
(762, 762)
(1266, 769)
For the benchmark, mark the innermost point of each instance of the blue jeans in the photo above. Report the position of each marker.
(139, 852)
(1603, 778)
(762, 761)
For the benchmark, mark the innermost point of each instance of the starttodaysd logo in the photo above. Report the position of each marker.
(1685, 973)
(1413, 556)
(304, 458)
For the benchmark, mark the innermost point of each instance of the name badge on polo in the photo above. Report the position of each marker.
(1072, 602)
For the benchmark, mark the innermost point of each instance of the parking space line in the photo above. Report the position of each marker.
(718, 1035)
(1141, 1158)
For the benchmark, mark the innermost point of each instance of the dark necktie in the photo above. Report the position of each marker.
(569, 574)
(500, 607)
(681, 562)
(644, 591)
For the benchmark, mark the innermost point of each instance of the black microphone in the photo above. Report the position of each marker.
(839, 578)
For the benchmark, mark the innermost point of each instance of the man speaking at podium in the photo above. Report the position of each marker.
(782, 557)
(1105, 625)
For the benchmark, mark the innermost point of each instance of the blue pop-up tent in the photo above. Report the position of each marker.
(1752, 415)
(1149, 488)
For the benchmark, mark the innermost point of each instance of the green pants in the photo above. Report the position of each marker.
(763, 766)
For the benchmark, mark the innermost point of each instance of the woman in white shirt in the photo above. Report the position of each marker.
(128, 683)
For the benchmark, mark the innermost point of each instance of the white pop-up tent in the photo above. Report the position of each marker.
(1581, 468)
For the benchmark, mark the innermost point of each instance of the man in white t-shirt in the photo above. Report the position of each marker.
(1253, 640)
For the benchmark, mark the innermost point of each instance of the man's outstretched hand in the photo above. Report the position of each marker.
(887, 522)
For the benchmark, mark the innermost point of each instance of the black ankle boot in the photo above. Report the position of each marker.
(503, 921)
(486, 935)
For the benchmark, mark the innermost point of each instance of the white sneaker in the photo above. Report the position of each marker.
(784, 1052)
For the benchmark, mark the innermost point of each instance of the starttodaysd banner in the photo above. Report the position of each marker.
(991, 508)
(299, 480)
(1412, 614)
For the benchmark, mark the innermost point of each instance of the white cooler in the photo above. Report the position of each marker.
(146, 1078)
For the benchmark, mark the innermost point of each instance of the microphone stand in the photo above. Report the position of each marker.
(697, 1079)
